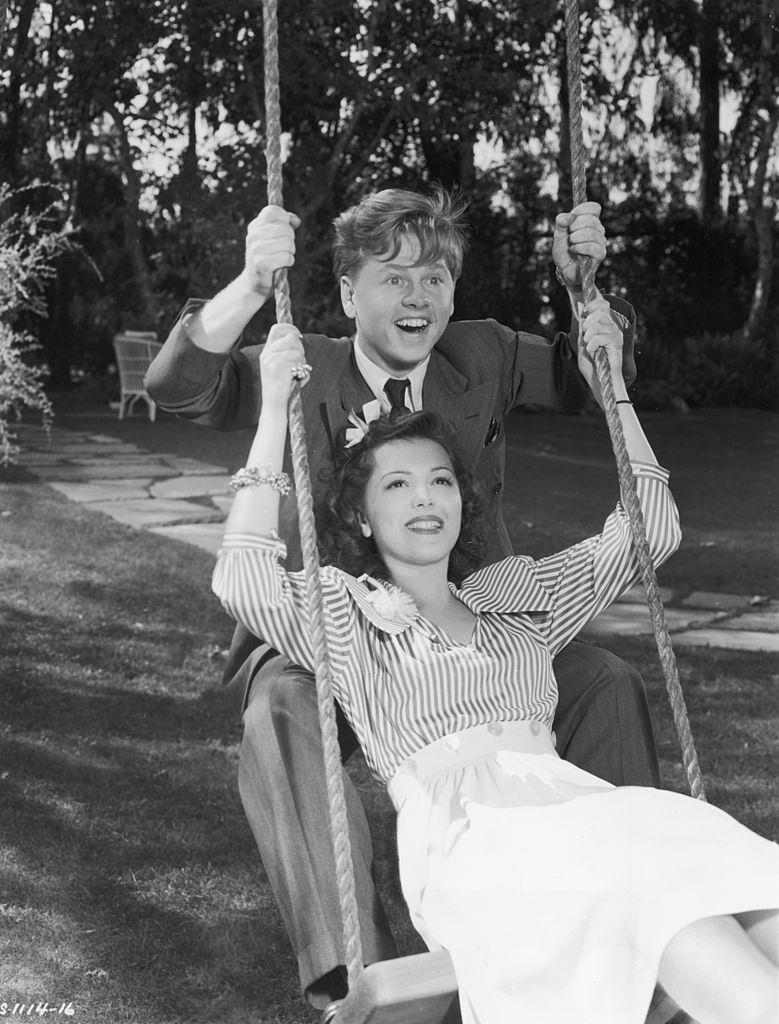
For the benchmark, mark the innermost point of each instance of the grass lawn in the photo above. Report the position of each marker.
(129, 884)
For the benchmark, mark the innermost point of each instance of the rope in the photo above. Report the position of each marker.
(339, 827)
(627, 480)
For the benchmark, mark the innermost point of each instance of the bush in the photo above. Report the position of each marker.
(710, 370)
(30, 245)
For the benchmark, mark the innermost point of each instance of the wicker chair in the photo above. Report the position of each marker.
(134, 353)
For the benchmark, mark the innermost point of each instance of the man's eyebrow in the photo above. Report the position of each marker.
(435, 265)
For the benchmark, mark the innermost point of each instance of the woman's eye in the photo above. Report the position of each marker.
(434, 280)
(444, 480)
(396, 483)
(394, 279)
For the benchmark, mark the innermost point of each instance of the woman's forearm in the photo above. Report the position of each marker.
(255, 508)
(638, 447)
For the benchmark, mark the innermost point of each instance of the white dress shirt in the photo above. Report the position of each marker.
(376, 378)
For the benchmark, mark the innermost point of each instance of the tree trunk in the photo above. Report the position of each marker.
(758, 208)
(13, 103)
(709, 127)
(3, 18)
(564, 181)
(131, 218)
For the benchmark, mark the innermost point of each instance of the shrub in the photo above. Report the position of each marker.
(710, 370)
(30, 244)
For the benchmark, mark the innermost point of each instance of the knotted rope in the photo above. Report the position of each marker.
(627, 480)
(339, 826)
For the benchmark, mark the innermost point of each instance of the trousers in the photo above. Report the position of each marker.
(602, 725)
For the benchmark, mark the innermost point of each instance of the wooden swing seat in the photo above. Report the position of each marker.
(410, 990)
(422, 989)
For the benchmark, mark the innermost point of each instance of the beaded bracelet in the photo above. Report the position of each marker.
(253, 476)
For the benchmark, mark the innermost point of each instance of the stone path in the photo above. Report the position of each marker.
(188, 500)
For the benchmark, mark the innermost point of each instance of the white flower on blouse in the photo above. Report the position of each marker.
(390, 602)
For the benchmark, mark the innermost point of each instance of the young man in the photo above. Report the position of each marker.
(397, 257)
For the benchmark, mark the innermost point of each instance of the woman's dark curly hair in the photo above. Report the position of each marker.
(340, 537)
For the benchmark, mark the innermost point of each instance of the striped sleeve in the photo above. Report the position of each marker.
(270, 602)
(588, 577)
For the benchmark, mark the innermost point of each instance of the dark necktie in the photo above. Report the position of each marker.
(396, 392)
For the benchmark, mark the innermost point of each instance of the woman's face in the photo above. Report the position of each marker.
(412, 503)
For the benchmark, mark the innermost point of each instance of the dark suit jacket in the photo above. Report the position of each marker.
(478, 371)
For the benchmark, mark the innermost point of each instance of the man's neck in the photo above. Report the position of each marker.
(375, 376)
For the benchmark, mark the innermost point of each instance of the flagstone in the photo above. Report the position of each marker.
(190, 486)
(224, 501)
(104, 470)
(104, 490)
(719, 602)
(735, 640)
(130, 458)
(207, 536)
(634, 619)
(192, 467)
(81, 451)
(150, 512)
(762, 621)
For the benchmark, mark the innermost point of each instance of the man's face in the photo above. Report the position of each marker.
(400, 309)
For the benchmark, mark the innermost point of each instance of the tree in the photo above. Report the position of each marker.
(710, 84)
(760, 206)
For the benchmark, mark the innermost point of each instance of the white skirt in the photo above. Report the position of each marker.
(555, 892)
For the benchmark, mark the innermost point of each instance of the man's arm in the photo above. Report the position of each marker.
(547, 373)
(216, 389)
(197, 374)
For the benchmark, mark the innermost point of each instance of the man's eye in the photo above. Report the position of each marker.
(394, 279)
(435, 280)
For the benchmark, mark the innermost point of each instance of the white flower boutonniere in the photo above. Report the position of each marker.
(391, 602)
(359, 427)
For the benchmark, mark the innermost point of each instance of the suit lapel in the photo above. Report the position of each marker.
(468, 409)
(352, 394)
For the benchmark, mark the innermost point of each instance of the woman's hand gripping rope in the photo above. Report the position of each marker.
(598, 330)
(283, 361)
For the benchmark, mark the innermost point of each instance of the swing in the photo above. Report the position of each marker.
(422, 989)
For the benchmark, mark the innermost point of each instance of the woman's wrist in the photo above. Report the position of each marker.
(274, 407)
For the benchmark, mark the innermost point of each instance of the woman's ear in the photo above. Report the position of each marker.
(363, 523)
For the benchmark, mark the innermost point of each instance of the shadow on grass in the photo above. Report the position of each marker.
(124, 833)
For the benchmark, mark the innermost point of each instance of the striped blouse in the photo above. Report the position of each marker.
(401, 681)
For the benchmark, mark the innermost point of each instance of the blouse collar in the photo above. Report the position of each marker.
(393, 611)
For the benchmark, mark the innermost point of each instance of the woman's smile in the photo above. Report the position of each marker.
(425, 524)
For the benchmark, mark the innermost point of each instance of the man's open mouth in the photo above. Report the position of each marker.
(412, 324)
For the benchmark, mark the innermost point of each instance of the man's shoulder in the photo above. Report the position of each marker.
(477, 343)
(320, 348)
(465, 332)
